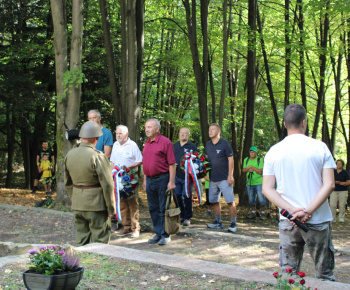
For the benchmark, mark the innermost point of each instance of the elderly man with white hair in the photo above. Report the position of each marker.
(126, 152)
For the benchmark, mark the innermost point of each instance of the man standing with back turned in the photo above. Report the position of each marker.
(159, 174)
(303, 169)
(89, 183)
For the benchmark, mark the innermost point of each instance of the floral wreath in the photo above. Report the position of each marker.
(200, 162)
(125, 184)
(195, 165)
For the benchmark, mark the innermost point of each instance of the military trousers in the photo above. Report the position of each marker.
(92, 227)
(320, 246)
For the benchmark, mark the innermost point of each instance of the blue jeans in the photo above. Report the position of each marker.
(184, 202)
(156, 198)
(254, 190)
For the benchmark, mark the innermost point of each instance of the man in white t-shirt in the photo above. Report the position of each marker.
(303, 169)
(126, 152)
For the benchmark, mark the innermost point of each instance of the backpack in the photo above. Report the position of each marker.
(247, 160)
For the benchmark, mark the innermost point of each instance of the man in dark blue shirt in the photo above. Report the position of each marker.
(340, 193)
(185, 203)
(220, 155)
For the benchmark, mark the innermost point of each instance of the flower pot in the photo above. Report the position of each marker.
(65, 281)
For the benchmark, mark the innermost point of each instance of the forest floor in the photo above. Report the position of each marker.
(254, 245)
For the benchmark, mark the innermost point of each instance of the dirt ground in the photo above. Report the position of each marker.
(254, 245)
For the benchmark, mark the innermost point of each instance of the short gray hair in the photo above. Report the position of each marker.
(123, 127)
(216, 125)
(156, 121)
(95, 111)
(188, 130)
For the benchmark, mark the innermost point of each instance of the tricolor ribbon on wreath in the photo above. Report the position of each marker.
(116, 172)
(190, 171)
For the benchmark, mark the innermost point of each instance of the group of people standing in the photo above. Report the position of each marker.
(298, 175)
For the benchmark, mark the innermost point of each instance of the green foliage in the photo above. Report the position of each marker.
(71, 79)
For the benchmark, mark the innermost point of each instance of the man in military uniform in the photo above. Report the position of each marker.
(89, 184)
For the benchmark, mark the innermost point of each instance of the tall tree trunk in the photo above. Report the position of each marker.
(324, 28)
(10, 138)
(25, 135)
(132, 52)
(251, 77)
(113, 83)
(124, 58)
(268, 77)
(140, 35)
(287, 56)
(337, 80)
(302, 57)
(67, 111)
(224, 62)
(201, 73)
(212, 92)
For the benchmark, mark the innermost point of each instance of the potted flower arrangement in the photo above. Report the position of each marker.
(53, 267)
(125, 184)
(195, 165)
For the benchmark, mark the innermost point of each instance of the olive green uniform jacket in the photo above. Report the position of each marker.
(87, 166)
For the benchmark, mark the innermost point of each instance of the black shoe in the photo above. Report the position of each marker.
(114, 227)
(164, 241)
(154, 240)
(34, 189)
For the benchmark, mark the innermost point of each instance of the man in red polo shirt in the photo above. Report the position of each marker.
(159, 174)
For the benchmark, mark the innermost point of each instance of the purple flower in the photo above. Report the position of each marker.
(53, 247)
(32, 251)
(60, 253)
(42, 248)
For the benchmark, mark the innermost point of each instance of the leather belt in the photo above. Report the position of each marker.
(87, 186)
(158, 175)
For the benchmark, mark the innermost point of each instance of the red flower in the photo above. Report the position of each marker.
(275, 274)
(289, 270)
(301, 274)
(182, 163)
(202, 158)
(291, 281)
(302, 281)
(134, 186)
(133, 177)
(196, 154)
(204, 171)
(127, 170)
(205, 165)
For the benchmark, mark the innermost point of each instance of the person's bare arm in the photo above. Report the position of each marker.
(107, 149)
(324, 192)
(133, 165)
(344, 183)
(258, 170)
(268, 189)
(144, 182)
(172, 171)
(230, 170)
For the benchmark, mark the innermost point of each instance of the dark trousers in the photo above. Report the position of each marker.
(155, 189)
(184, 202)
